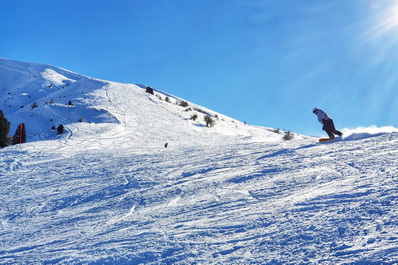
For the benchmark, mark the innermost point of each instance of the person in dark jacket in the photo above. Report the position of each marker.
(328, 125)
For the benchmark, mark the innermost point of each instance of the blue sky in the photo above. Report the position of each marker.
(266, 62)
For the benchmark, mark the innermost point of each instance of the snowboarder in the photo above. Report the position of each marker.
(328, 125)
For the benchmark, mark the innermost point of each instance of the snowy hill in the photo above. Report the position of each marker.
(108, 192)
(84, 105)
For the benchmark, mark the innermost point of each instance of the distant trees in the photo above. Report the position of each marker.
(184, 103)
(277, 130)
(34, 105)
(209, 121)
(60, 129)
(149, 90)
(194, 117)
(4, 130)
(20, 135)
(288, 136)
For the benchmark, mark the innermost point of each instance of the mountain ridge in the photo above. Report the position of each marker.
(64, 97)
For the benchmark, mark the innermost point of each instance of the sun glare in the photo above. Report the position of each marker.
(381, 44)
(391, 19)
(387, 19)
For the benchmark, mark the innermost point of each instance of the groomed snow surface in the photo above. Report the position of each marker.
(108, 191)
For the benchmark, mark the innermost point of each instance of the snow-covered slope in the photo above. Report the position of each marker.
(295, 202)
(109, 192)
(125, 111)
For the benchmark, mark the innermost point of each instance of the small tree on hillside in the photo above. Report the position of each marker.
(184, 103)
(34, 105)
(4, 130)
(149, 90)
(60, 129)
(20, 135)
(194, 117)
(209, 121)
(278, 131)
(288, 136)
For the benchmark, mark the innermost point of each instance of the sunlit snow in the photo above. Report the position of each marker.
(109, 191)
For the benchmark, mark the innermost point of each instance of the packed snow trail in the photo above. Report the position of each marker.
(295, 202)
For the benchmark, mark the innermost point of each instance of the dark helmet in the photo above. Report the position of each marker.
(315, 110)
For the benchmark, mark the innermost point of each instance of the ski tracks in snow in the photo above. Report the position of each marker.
(225, 204)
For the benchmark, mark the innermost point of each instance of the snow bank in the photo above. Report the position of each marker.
(366, 132)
